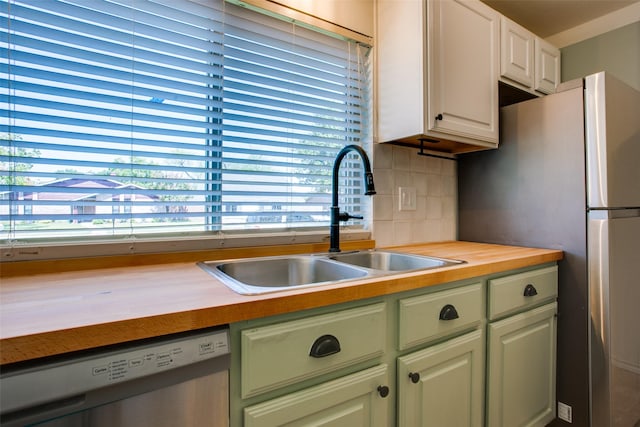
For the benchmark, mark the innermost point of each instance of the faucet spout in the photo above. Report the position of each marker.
(370, 190)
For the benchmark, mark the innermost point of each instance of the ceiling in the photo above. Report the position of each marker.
(549, 17)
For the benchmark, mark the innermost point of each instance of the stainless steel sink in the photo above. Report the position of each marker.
(269, 274)
(252, 276)
(392, 261)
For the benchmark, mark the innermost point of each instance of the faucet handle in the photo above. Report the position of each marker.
(345, 216)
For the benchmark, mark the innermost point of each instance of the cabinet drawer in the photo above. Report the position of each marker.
(277, 355)
(420, 317)
(518, 292)
(352, 400)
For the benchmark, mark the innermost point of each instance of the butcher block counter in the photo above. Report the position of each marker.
(99, 303)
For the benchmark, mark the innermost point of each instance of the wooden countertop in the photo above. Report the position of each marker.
(54, 313)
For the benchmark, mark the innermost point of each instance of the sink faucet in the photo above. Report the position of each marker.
(370, 190)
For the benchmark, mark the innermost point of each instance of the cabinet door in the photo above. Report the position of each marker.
(516, 53)
(400, 69)
(522, 369)
(354, 401)
(547, 66)
(463, 63)
(442, 385)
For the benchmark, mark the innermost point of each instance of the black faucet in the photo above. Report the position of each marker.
(370, 190)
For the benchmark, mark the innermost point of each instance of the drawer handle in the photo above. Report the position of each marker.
(324, 346)
(530, 291)
(414, 376)
(383, 390)
(448, 312)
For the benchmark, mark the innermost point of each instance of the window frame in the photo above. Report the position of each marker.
(188, 241)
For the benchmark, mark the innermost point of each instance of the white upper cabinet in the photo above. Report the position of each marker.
(527, 61)
(437, 73)
(547, 67)
(516, 53)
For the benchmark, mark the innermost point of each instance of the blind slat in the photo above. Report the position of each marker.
(97, 74)
(105, 125)
(92, 48)
(30, 74)
(207, 110)
(91, 140)
(89, 21)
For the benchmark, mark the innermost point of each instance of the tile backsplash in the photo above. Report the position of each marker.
(435, 183)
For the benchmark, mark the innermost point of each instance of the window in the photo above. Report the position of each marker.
(129, 118)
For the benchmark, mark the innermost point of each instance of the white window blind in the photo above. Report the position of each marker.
(130, 117)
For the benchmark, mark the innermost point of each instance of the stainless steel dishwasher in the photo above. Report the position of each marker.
(176, 380)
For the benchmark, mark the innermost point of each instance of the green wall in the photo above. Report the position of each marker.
(617, 52)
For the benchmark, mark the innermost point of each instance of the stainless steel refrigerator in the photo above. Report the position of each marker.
(567, 175)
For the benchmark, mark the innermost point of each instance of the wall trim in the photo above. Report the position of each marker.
(612, 21)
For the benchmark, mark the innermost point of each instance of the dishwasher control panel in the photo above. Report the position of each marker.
(78, 375)
(147, 361)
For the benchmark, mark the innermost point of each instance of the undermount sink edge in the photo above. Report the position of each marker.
(255, 276)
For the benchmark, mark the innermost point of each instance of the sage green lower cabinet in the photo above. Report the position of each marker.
(522, 369)
(356, 400)
(426, 318)
(471, 353)
(275, 356)
(443, 385)
(323, 367)
(521, 336)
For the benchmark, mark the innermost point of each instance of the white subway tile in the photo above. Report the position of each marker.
(435, 181)
(383, 207)
(401, 158)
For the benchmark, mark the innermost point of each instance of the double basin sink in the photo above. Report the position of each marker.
(252, 276)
